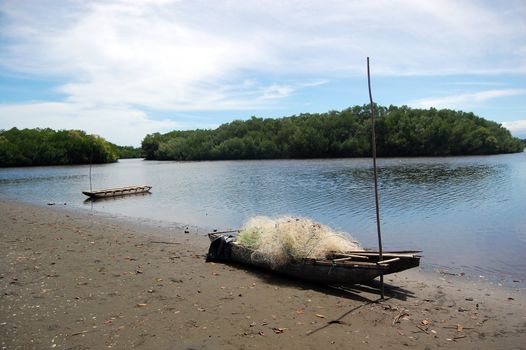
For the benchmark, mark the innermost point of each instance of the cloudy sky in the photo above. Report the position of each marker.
(125, 68)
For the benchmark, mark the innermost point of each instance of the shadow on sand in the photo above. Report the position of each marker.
(366, 293)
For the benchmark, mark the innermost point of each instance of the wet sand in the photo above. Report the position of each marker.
(82, 280)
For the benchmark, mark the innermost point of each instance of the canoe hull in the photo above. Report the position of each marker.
(116, 192)
(326, 272)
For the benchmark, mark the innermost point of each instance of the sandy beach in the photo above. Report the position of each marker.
(82, 280)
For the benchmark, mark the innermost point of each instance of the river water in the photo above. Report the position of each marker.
(467, 214)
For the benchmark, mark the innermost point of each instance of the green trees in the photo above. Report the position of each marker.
(128, 152)
(48, 147)
(402, 131)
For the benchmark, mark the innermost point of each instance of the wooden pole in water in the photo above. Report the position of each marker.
(90, 161)
(375, 179)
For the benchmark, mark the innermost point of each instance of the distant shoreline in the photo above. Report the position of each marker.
(266, 159)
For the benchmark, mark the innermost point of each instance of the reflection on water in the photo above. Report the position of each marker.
(465, 213)
(90, 200)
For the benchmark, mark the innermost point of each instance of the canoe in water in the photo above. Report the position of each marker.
(113, 192)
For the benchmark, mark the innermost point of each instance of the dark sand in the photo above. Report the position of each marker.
(77, 280)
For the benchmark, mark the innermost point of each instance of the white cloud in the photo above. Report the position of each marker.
(278, 91)
(204, 44)
(517, 127)
(123, 126)
(464, 100)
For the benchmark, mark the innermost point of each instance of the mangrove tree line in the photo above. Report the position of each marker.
(402, 131)
(49, 147)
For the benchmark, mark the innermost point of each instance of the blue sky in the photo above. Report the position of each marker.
(125, 68)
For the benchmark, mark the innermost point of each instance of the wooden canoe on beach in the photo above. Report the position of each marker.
(113, 192)
(337, 269)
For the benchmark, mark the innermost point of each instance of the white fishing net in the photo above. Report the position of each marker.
(276, 241)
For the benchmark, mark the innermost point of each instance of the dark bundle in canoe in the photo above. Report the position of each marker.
(338, 268)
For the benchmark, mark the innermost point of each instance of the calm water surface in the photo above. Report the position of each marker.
(468, 214)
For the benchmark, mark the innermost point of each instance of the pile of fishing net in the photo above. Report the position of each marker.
(276, 241)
